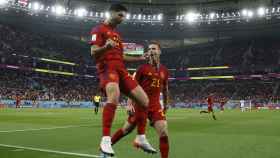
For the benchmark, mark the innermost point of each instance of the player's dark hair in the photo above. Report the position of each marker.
(155, 43)
(117, 7)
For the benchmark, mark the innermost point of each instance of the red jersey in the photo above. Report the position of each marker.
(18, 99)
(99, 35)
(210, 100)
(223, 101)
(152, 80)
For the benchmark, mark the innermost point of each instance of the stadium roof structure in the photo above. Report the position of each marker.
(176, 24)
(179, 2)
(165, 2)
(171, 4)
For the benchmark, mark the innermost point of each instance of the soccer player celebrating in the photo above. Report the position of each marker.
(107, 49)
(153, 77)
(210, 102)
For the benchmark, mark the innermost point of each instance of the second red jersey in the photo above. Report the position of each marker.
(210, 100)
(152, 80)
(223, 102)
(99, 35)
(18, 98)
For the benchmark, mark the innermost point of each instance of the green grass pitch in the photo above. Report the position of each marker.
(253, 134)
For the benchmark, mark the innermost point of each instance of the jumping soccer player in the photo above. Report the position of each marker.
(153, 77)
(107, 49)
(210, 102)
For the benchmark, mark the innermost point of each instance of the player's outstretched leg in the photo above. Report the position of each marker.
(122, 132)
(203, 111)
(210, 110)
(142, 101)
(214, 116)
(141, 141)
(113, 93)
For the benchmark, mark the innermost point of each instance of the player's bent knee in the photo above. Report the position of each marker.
(161, 127)
(144, 99)
(140, 96)
(163, 132)
(113, 93)
(114, 100)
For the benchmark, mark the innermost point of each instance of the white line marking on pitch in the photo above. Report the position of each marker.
(48, 128)
(49, 151)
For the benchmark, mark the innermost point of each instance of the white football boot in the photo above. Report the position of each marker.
(106, 147)
(142, 143)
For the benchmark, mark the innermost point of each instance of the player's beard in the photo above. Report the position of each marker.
(114, 22)
(155, 61)
(117, 21)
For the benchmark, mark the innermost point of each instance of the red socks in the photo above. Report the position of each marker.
(117, 136)
(164, 146)
(141, 121)
(108, 117)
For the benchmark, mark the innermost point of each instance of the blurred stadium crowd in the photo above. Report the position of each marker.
(252, 55)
